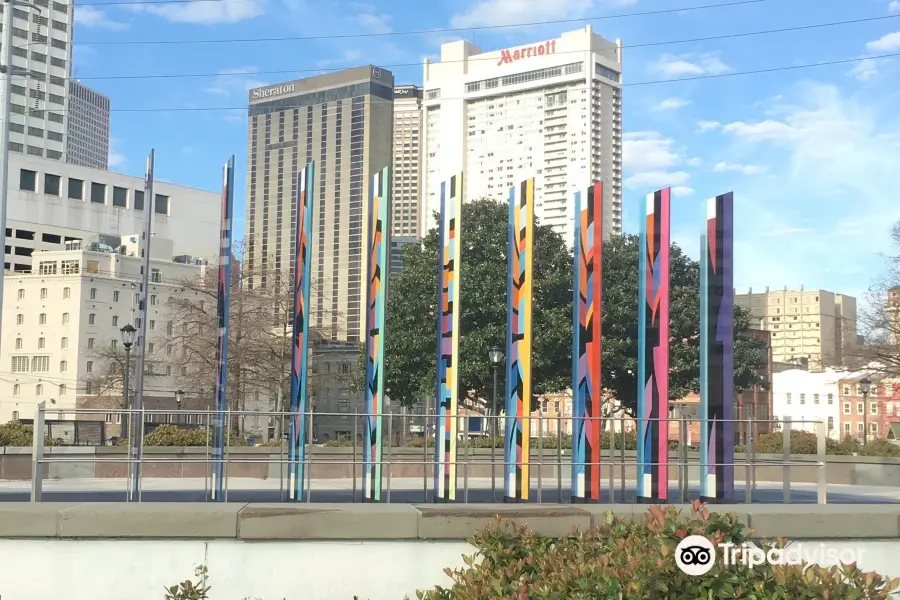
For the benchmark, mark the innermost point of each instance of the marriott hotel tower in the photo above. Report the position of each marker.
(344, 122)
(551, 110)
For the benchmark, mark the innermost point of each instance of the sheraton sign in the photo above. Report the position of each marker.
(268, 92)
(510, 56)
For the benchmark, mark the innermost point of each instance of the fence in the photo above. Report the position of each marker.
(408, 463)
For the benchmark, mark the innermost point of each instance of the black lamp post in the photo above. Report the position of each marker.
(864, 386)
(127, 333)
(179, 398)
(495, 358)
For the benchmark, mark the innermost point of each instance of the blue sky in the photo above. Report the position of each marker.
(811, 154)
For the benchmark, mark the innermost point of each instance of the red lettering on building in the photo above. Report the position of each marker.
(510, 56)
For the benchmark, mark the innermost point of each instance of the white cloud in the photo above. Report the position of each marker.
(237, 81)
(222, 11)
(117, 160)
(348, 56)
(682, 191)
(688, 65)
(369, 19)
(894, 6)
(834, 168)
(708, 125)
(672, 104)
(488, 13)
(90, 17)
(864, 69)
(724, 167)
(652, 161)
(889, 42)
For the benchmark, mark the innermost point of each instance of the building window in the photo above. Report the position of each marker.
(62, 389)
(873, 429)
(846, 408)
(47, 267)
(89, 367)
(115, 321)
(42, 319)
(802, 398)
(859, 408)
(138, 200)
(64, 343)
(51, 184)
(40, 364)
(65, 318)
(162, 205)
(19, 364)
(18, 343)
(42, 343)
(116, 296)
(88, 387)
(846, 390)
(90, 342)
(20, 319)
(151, 324)
(39, 389)
(151, 348)
(873, 409)
(847, 428)
(815, 398)
(76, 189)
(152, 299)
(788, 398)
(830, 423)
(70, 267)
(17, 389)
(21, 294)
(93, 293)
(92, 319)
(67, 293)
(830, 398)
(27, 180)
(63, 366)
(120, 197)
(43, 293)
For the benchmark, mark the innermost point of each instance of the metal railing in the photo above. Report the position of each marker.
(480, 457)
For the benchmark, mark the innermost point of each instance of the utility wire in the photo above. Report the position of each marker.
(634, 84)
(441, 31)
(477, 58)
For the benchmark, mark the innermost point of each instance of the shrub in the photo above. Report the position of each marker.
(15, 433)
(879, 447)
(636, 561)
(172, 435)
(190, 590)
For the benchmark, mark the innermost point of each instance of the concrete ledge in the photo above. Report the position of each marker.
(328, 522)
(261, 522)
(148, 520)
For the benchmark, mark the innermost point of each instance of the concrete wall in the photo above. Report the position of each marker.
(330, 551)
(342, 463)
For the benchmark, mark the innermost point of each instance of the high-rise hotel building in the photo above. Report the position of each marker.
(550, 110)
(344, 122)
(407, 183)
(87, 141)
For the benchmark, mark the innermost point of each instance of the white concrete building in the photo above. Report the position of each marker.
(809, 397)
(42, 48)
(60, 322)
(51, 203)
(552, 111)
(87, 138)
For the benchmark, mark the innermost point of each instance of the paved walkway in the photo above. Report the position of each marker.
(402, 490)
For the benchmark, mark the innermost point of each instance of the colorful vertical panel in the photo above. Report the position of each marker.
(447, 341)
(222, 304)
(586, 316)
(519, 341)
(716, 351)
(300, 334)
(378, 248)
(653, 350)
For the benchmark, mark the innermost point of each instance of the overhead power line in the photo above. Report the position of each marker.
(634, 84)
(478, 58)
(363, 35)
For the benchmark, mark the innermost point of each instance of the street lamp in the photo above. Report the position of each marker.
(179, 398)
(495, 358)
(864, 386)
(127, 334)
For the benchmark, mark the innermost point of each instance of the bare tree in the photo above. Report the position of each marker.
(879, 319)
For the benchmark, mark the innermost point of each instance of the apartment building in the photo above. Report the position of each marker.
(398, 247)
(51, 203)
(878, 411)
(344, 122)
(816, 325)
(61, 330)
(87, 141)
(406, 201)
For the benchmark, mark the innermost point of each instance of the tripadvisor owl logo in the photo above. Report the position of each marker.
(695, 555)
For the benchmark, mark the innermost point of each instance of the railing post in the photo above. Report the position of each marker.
(748, 462)
(820, 455)
(786, 458)
(612, 458)
(37, 454)
(683, 472)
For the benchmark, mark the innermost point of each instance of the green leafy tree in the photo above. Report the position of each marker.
(410, 353)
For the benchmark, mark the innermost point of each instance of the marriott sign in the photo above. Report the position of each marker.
(510, 56)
